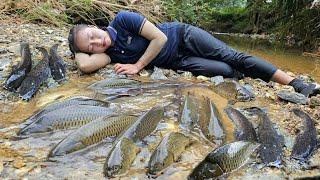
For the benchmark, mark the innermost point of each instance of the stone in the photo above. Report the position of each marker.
(158, 74)
(14, 49)
(18, 163)
(4, 63)
(203, 78)
(315, 101)
(3, 50)
(292, 97)
(216, 80)
(144, 73)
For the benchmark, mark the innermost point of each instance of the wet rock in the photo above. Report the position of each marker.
(144, 73)
(158, 74)
(292, 97)
(15, 48)
(216, 80)
(3, 50)
(315, 101)
(203, 78)
(4, 63)
(18, 163)
(170, 73)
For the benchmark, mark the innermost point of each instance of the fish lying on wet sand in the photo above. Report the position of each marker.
(270, 150)
(209, 121)
(20, 71)
(306, 141)
(244, 130)
(80, 100)
(223, 160)
(120, 157)
(92, 133)
(189, 113)
(37, 76)
(113, 83)
(234, 91)
(57, 65)
(145, 125)
(66, 118)
(168, 151)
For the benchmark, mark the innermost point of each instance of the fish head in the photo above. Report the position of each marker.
(34, 128)
(206, 170)
(66, 146)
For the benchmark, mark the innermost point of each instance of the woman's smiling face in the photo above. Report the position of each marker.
(92, 40)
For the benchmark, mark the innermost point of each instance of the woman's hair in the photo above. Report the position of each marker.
(72, 37)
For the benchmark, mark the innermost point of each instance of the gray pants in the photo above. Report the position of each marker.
(203, 54)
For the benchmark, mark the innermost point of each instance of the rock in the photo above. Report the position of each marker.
(158, 74)
(315, 101)
(3, 50)
(49, 31)
(216, 80)
(292, 97)
(185, 74)
(14, 49)
(1, 167)
(170, 73)
(4, 63)
(203, 78)
(144, 73)
(18, 163)
(61, 39)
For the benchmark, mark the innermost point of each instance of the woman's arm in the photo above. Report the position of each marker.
(157, 40)
(89, 63)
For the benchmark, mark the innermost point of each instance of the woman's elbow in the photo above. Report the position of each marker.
(86, 68)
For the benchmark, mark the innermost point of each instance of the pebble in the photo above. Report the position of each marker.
(216, 80)
(292, 97)
(18, 163)
(203, 78)
(315, 101)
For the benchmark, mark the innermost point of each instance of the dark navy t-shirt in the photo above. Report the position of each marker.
(128, 45)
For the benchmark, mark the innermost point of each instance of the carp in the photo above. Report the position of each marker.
(189, 113)
(66, 118)
(223, 160)
(92, 133)
(168, 151)
(113, 83)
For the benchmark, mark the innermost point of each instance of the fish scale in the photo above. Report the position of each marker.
(224, 160)
(71, 116)
(112, 83)
(92, 133)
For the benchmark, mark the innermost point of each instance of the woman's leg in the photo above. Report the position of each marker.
(206, 67)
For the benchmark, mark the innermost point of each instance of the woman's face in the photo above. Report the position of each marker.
(92, 40)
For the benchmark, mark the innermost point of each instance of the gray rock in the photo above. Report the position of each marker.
(15, 48)
(3, 50)
(158, 74)
(292, 97)
(315, 101)
(4, 63)
(216, 80)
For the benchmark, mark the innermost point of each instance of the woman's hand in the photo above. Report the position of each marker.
(129, 69)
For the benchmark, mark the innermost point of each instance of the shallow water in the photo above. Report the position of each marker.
(283, 57)
(27, 157)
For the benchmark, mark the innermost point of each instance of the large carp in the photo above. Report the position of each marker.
(223, 160)
(57, 65)
(113, 83)
(189, 112)
(92, 133)
(209, 121)
(77, 100)
(145, 124)
(306, 141)
(65, 118)
(244, 130)
(270, 150)
(168, 151)
(20, 71)
(37, 76)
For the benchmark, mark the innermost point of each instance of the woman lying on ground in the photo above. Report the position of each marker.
(134, 43)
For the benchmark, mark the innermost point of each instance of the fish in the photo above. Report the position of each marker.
(270, 150)
(168, 151)
(57, 65)
(141, 128)
(77, 100)
(306, 141)
(37, 76)
(113, 83)
(121, 157)
(234, 91)
(92, 133)
(209, 121)
(244, 130)
(189, 113)
(66, 118)
(224, 159)
(145, 124)
(20, 71)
